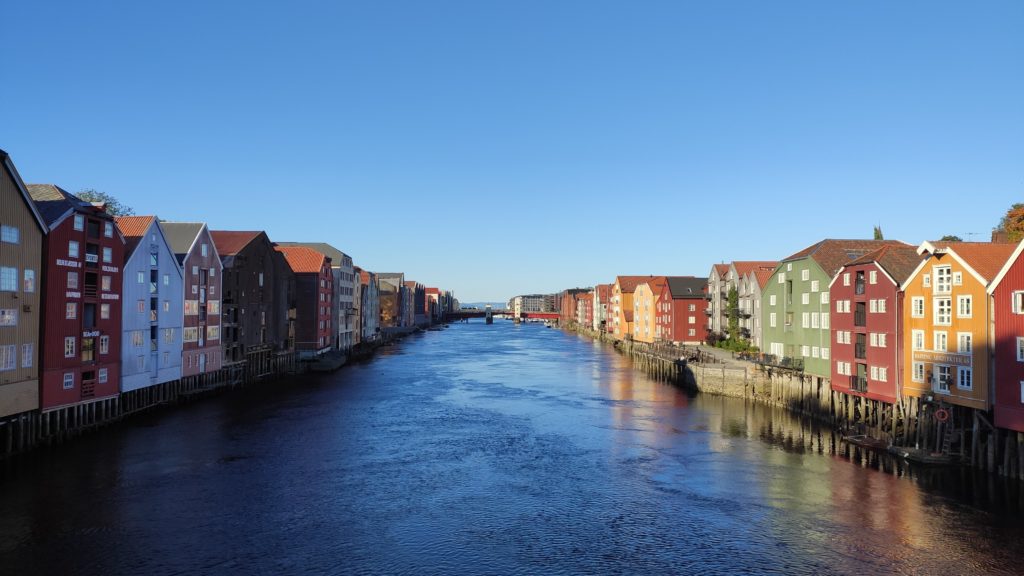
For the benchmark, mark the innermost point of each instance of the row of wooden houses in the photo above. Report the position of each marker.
(937, 327)
(94, 306)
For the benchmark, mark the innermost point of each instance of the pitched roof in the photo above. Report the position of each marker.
(230, 242)
(897, 261)
(762, 275)
(686, 286)
(831, 254)
(655, 283)
(986, 258)
(337, 256)
(53, 202)
(302, 260)
(5, 159)
(629, 283)
(133, 228)
(364, 277)
(722, 269)
(181, 236)
(743, 267)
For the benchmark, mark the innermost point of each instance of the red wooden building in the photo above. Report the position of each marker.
(679, 310)
(81, 336)
(865, 349)
(1007, 292)
(314, 288)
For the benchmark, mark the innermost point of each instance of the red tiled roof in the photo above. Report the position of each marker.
(133, 228)
(364, 277)
(987, 258)
(722, 269)
(832, 254)
(656, 284)
(629, 283)
(302, 260)
(743, 267)
(230, 242)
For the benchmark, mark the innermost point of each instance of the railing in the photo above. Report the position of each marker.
(783, 362)
(860, 351)
(89, 290)
(858, 384)
(88, 388)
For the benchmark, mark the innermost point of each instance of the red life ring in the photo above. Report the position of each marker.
(942, 414)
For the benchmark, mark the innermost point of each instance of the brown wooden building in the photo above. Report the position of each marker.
(314, 289)
(22, 232)
(258, 299)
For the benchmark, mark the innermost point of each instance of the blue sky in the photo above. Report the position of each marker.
(502, 148)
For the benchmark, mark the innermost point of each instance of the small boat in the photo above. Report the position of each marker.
(920, 456)
(865, 441)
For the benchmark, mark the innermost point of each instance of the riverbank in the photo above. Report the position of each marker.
(27, 432)
(910, 430)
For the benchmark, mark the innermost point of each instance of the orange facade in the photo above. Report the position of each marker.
(645, 317)
(945, 323)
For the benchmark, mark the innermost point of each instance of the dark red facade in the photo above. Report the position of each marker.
(82, 285)
(864, 319)
(1008, 304)
(680, 317)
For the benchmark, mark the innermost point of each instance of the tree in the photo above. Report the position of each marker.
(951, 238)
(114, 206)
(878, 233)
(733, 306)
(1012, 224)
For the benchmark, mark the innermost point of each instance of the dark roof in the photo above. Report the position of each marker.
(686, 286)
(336, 256)
(181, 236)
(54, 202)
(832, 254)
(5, 159)
(897, 261)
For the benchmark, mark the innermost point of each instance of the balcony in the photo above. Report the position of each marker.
(860, 351)
(858, 384)
(860, 318)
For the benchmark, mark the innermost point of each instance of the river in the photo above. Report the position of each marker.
(494, 449)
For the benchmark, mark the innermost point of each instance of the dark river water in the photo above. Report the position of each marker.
(491, 450)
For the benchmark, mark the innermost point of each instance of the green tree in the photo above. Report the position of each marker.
(733, 306)
(951, 238)
(114, 206)
(1012, 224)
(878, 233)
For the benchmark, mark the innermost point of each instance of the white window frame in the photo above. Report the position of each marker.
(70, 345)
(917, 340)
(917, 307)
(937, 316)
(74, 250)
(960, 302)
(940, 337)
(917, 372)
(960, 372)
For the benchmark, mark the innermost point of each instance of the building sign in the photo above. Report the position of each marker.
(90, 333)
(68, 263)
(113, 269)
(106, 296)
(942, 358)
(73, 294)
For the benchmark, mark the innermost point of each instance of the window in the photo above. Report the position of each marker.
(72, 280)
(167, 305)
(943, 311)
(8, 357)
(190, 334)
(8, 279)
(963, 380)
(873, 338)
(104, 345)
(108, 254)
(1018, 302)
(8, 316)
(846, 278)
(69, 380)
(9, 234)
(805, 351)
(815, 285)
(926, 280)
(805, 275)
(29, 285)
(213, 332)
(805, 298)
(824, 297)
(108, 229)
(27, 355)
(137, 338)
(693, 307)
(167, 358)
(79, 222)
(917, 340)
(169, 335)
(213, 307)
(782, 277)
(140, 306)
(204, 250)
(881, 340)
(72, 249)
(692, 332)
(917, 307)
(943, 377)
(102, 375)
(881, 305)
(824, 320)
(814, 320)
(964, 342)
(70, 310)
(873, 305)
(873, 277)
(771, 300)
(918, 373)
(824, 353)
(805, 320)
(883, 374)
(963, 306)
(958, 279)
(69, 347)
(104, 311)
(839, 306)
(940, 341)
(874, 372)
(195, 270)
(213, 272)
(772, 321)
(195, 289)
(105, 283)
(693, 320)
(815, 352)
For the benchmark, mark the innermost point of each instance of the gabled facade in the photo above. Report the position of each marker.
(865, 322)
(645, 309)
(750, 299)
(82, 283)
(370, 306)
(795, 303)
(343, 309)
(258, 287)
(946, 321)
(602, 295)
(201, 267)
(680, 310)
(151, 332)
(621, 315)
(1006, 294)
(743, 275)
(22, 233)
(314, 293)
(392, 287)
(717, 292)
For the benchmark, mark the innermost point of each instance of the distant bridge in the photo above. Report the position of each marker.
(466, 314)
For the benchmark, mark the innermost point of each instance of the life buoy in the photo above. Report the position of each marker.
(942, 414)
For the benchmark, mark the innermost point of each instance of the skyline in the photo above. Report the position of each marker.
(695, 121)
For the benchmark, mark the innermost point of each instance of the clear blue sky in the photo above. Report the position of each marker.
(496, 148)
